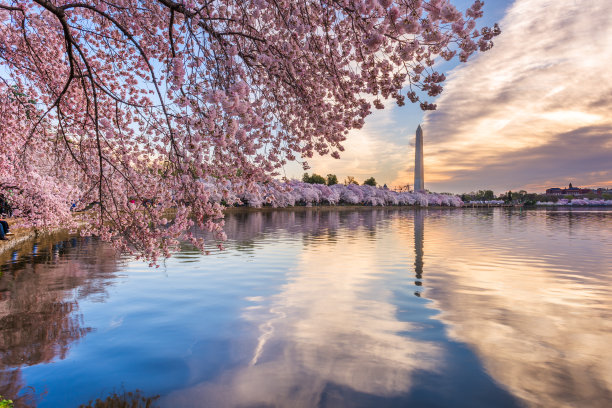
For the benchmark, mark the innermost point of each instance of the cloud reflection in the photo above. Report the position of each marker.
(538, 316)
(332, 325)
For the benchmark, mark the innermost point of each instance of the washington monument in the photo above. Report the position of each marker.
(419, 182)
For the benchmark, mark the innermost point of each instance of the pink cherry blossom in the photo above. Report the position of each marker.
(155, 114)
(297, 193)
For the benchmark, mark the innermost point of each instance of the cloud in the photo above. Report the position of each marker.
(381, 149)
(534, 111)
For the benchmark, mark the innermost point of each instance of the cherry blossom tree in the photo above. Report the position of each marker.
(298, 193)
(128, 105)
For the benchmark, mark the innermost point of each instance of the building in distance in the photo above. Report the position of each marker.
(576, 191)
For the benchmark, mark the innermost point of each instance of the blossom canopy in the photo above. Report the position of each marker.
(127, 105)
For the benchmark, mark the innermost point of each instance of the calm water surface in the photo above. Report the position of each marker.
(372, 308)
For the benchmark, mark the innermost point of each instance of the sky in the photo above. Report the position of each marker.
(533, 112)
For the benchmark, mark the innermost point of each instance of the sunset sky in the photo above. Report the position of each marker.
(533, 112)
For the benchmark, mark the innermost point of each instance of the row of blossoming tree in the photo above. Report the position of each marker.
(117, 102)
(297, 193)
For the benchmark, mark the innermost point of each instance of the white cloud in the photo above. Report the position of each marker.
(546, 78)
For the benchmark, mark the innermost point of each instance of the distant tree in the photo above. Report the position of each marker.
(370, 182)
(316, 179)
(522, 196)
(350, 180)
(332, 179)
(488, 195)
(545, 198)
(480, 195)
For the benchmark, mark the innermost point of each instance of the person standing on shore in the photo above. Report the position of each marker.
(4, 229)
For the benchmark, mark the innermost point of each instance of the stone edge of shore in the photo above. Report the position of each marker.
(23, 235)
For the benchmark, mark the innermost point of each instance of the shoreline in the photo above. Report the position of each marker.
(22, 236)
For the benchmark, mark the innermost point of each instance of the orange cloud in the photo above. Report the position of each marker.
(547, 78)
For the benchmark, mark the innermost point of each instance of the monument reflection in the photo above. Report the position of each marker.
(318, 308)
(332, 326)
(419, 238)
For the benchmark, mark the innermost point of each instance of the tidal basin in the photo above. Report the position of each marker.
(331, 308)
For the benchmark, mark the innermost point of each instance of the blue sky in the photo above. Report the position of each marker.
(533, 112)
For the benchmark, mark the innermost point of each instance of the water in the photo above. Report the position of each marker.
(371, 308)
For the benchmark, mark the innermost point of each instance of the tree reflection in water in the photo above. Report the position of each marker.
(39, 319)
(319, 308)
